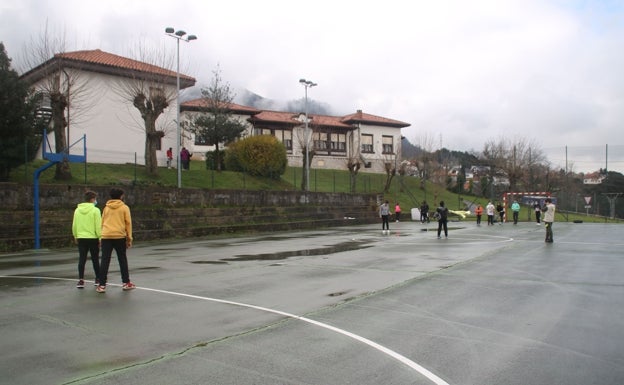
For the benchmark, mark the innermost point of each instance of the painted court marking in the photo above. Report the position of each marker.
(406, 361)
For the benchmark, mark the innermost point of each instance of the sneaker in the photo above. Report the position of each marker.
(128, 286)
(100, 289)
(80, 284)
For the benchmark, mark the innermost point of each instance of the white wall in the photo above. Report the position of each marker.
(112, 125)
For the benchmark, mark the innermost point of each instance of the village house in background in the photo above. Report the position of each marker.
(105, 112)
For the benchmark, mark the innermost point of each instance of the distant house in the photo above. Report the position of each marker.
(99, 104)
(593, 178)
(371, 139)
(101, 109)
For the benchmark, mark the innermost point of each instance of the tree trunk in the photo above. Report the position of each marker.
(307, 159)
(58, 103)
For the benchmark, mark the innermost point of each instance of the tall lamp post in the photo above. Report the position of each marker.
(178, 35)
(307, 84)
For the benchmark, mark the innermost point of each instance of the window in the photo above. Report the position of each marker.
(338, 142)
(284, 136)
(320, 141)
(388, 147)
(367, 143)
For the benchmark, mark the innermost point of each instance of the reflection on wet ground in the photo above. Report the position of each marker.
(340, 247)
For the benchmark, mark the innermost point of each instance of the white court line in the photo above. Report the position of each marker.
(406, 361)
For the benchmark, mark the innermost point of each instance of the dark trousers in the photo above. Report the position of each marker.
(88, 246)
(384, 222)
(397, 215)
(479, 219)
(515, 217)
(537, 216)
(119, 245)
(549, 231)
(442, 224)
(490, 219)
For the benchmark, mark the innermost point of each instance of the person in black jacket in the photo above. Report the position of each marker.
(442, 219)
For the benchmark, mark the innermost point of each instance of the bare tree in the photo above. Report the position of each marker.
(307, 146)
(514, 158)
(426, 142)
(146, 89)
(61, 83)
(354, 158)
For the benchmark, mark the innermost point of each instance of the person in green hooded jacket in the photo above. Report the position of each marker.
(87, 231)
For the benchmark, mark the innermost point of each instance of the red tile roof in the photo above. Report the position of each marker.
(292, 119)
(105, 62)
(361, 117)
(201, 103)
(264, 118)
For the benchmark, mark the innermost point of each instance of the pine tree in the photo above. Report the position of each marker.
(18, 137)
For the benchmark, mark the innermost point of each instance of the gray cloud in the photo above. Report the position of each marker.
(467, 71)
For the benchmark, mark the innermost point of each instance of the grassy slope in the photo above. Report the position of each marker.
(320, 181)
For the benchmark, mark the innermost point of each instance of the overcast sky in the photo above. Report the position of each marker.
(461, 71)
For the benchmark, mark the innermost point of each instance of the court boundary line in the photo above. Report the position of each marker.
(389, 352)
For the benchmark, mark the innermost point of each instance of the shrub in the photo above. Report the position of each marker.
(261, 155)
(211, 160)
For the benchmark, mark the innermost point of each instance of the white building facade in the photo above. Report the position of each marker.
(100, 88)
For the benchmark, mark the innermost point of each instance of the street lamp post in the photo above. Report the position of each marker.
(178, 35)
(307, 84)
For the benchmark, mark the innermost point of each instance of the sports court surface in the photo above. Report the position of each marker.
(489, 305)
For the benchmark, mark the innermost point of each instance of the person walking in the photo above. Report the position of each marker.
(169, 157)
(538, 212)
(442, 219)
(515, 208)
(479, 213)
(87, 230)
(489, 209)
(549, 219)
(397, 212)
(116, 235)
(384, 214)
(424, 212)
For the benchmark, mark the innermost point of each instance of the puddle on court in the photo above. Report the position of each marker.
(340, 247)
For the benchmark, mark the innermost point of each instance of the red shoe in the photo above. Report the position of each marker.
(128, 286)
(80, 284)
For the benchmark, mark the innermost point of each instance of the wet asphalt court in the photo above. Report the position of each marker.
(348, 305)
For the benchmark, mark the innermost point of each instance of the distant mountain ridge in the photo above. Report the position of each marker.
(250, 99)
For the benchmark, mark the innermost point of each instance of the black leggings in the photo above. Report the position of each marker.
(88, 246)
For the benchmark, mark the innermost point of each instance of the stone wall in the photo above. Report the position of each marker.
(52, 197)
(163, 213)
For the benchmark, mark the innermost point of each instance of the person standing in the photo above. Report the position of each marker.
(549, 219)
(479, 213)
(384, 214)
(442, 219)
(397, 212)
(87, 230)
(185, 158)
(116, 235)
(538, 212)
(515, 208)
(489, 209)
(169, 157)
(501, 212)
(424, 212)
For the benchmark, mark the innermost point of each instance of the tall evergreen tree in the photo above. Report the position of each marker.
(217, 125)
(19, 138)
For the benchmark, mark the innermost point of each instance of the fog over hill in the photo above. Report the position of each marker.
(247, 98)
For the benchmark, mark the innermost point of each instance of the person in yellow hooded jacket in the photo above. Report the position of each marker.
(116, 235)
(87, 230)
